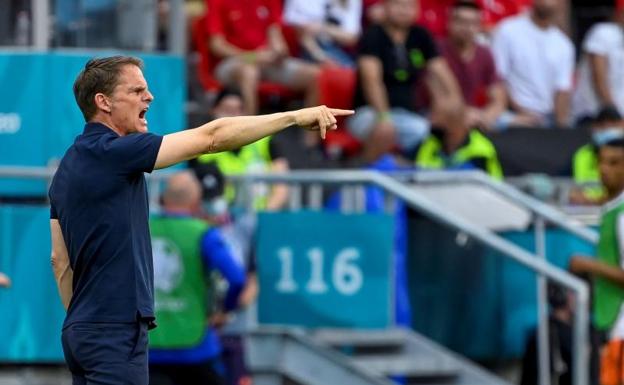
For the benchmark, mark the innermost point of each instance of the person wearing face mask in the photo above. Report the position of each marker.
(607, 125)
(238, 235)
(185, 348)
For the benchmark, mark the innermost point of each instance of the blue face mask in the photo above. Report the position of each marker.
(606, 135)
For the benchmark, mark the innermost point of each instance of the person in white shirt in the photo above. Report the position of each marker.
(601, 72)
(327, 28)
(536, 61)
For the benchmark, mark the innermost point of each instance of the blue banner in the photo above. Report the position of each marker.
(325, 269)
(31, 313)
(39, 117)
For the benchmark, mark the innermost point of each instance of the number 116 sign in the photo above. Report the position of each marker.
(321, 269)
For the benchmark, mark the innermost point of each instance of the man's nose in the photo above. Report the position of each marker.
(148, 96)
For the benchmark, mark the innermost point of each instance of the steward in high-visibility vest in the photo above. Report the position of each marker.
(585, 170)
(605, 127)
(255, 157)
(477, 151)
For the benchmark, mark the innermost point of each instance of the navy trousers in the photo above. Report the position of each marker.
(107, 353)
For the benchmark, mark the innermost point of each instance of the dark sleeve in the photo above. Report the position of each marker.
(135, 152)
(53, 214)
(427, 44)
(369, 42)
(217, 255)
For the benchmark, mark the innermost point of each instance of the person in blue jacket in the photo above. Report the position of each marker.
(187, 253)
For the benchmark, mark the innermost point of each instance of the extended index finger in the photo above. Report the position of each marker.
(339, 112)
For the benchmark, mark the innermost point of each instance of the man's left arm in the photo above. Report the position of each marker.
(564, 88)
(581, 264)
(497, 101)
(443, 85)
(496, 94)
(63, 273)
(562, 108)
(589, 265)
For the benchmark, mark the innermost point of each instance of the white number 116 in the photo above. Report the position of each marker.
(347, 277)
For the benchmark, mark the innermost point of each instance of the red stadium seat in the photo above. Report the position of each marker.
(199, 39)
(199, 36)
(336, 89)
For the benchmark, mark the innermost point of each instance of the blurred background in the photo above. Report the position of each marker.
(426, 241)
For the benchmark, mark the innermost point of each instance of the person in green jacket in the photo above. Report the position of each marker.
(607, 125)
(457, 146)
(185, 349)
(607, 268)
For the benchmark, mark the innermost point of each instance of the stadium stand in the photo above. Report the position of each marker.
(476, 248)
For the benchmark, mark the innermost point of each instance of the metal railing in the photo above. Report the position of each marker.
(535, 206)
(542, 213)
(39, 25)
(397, 187)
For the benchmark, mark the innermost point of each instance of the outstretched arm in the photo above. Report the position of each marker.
(234, 132)
(63, 273)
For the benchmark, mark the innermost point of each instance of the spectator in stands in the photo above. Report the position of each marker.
(246, 38)
(4, 280)
(239, 237)
(601, 72)
(473, 65)
(256, 157)
(327, 28)
(607, 269)
(373, 12)
(536, 61)
(457, 146)
(391, 60)
(607, 125)
(186, 252)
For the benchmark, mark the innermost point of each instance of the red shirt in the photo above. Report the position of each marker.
(243, 23)
(496, 10)
(474, 76)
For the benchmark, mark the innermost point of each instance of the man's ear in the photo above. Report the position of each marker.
(102, 102)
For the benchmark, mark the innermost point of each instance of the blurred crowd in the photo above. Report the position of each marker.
(431, 81)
